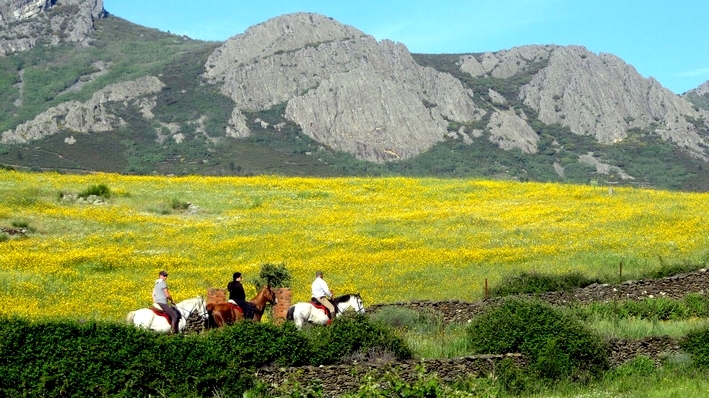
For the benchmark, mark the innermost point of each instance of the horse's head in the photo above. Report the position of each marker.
(270, 295)
(265, 295)
(358, 303)
(193, 306)
(348, 301)
(202, 309)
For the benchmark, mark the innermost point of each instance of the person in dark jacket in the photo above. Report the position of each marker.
(238, 296)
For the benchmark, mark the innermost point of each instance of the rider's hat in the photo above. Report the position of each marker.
(163, 273)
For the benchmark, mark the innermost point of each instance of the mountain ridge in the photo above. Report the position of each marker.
(345, 93)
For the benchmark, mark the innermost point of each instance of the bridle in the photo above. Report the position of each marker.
(358, 307)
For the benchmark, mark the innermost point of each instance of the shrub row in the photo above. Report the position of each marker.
(67, 358)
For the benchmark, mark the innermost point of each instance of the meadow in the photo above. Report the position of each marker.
(391, 239)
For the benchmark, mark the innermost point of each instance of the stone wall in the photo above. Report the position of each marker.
(675, 287)
(347, 377)
(342, 378)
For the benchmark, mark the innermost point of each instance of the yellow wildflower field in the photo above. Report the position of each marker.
(391, 239)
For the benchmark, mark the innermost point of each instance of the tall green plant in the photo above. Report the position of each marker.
(274, 275)
(556, 345)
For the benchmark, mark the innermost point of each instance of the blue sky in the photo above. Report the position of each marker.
(666, 40)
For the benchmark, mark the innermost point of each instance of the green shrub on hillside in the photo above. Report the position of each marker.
(94, 359)
(100, 190)
(408, 319)
(697, 345)
(89, 359)
(274, 275)
(350, 334)
(556, 345)
(533, 282)
(658, 308)
(670, 269)
(177, 204)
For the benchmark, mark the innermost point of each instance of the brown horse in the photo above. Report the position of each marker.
(226, 314)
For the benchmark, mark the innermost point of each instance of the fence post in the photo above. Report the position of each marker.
(486, 288)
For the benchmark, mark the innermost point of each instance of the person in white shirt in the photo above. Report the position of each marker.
(321, 293)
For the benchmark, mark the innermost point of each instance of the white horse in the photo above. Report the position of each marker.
(148, 319)
(303, 312)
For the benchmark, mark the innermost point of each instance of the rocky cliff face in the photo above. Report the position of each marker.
(369, 98)
(25, 22)
(703, 89)
(90, 116)
(345, 89)
(596, 95)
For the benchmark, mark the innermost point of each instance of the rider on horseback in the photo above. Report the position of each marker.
(321, 293)
(238, 296)
(161, 295)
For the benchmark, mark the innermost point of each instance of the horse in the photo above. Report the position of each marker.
(147, 318)
(226, 313)
(303, 312)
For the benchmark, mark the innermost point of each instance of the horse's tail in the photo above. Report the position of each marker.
(129, 317)
(290, 313)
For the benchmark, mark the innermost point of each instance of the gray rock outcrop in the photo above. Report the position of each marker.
(508, 131)
(343, 88)
(90, 116)
(26, 22)
(703, 89)
(596, 95)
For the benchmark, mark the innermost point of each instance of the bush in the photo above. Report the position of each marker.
(556, 345)
(408, 319)
(533, 282)
(101, 359)
(177, 204)
(90, 359)
(274, 275)
(20, 224)
(659, 308)
(666, 269)
(100, 190)
(696, 343)
(353, 333)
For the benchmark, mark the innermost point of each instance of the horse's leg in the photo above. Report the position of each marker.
(218, 317)
(238, 315)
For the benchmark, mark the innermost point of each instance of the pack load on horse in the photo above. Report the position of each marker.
(156, 319)
(227, 313)
(316, 313)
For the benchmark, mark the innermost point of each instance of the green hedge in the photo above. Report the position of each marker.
(557, 346)
(68, 358)
(696, 343)
(534, 283)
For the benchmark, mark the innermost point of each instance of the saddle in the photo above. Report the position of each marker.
(317, 305)
(233, 304)
(158, 311)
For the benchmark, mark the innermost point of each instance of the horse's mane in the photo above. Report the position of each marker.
(343, 299)
(190, 300)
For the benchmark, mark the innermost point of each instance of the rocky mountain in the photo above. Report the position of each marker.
(25, 22)
(560, 112)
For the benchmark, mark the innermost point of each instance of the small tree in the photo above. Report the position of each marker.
(274, 275)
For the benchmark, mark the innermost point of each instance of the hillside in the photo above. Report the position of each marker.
(303, 94)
